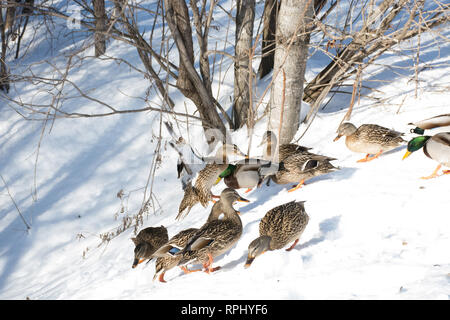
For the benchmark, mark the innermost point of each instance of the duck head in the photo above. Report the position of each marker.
(415, 144)
(256, 248)
(345, 129)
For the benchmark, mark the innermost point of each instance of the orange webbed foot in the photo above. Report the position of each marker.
(187, 271)
(298, 186)
(368, 158)
(434, 174)
(161, 278)
(293, 245)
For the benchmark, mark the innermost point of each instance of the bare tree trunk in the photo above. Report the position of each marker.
(100, 27)
(271, 8)
(4, 75)
(189, 81)
(292, 38)
(26, 13)
(202, 28)
(10, 14)
(245, 16)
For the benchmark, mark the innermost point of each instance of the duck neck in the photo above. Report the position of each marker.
(216, 211)
(266, 242)
(229, 212)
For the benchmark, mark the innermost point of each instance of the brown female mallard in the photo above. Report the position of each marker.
(166, 254)
(369, 139)
(298, 167)
(206, 178)
(216, 236)
(147, 242)
(279, 227)
(167, 258)
(284, 150)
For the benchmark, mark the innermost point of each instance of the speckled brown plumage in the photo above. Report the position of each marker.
(147, 242)
(170, 260)
(369, 138)
(284, 150)
(279, 227)
(284, 224)
(303, 166)
(289, 149)
(205, 181)
(201, 191)
(216, 236)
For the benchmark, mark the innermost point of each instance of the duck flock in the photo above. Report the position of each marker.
(283, 225)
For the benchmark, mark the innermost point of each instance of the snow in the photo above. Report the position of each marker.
(376, 230)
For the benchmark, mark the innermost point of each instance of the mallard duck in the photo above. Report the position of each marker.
(280, 226)
(147, 242)
(284, 150)
(369, 139)
(295, 163)
(206, 178)
(298, 167)
(216, 236)
(166, 254)
(433, 122)
(243, 174)
(167, 258)
(435, 147)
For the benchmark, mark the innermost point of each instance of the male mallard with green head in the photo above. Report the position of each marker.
(435, 147)
(279, 227)
(442, 120)
(243, 174)
(371, 139)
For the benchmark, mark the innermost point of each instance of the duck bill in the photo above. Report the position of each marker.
(136, 262)
(407, 154)
(240, 199)
(249, 262)
(337, 138)
(218, 180)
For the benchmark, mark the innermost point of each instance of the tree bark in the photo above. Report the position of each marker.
(100, 27)
(245, 16)
(271, 8)
(292, 39)
(10, 14)
(4, 74)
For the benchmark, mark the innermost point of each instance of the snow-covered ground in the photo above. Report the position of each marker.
(376, 230)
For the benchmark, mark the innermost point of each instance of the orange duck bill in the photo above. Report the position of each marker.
(136, 262)
(249, 262)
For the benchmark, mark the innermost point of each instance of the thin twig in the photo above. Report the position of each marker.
(15, 205)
